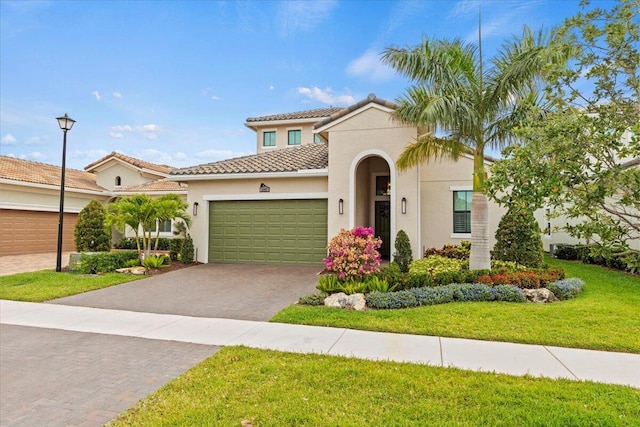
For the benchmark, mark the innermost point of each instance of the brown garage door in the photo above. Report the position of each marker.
(32, 232)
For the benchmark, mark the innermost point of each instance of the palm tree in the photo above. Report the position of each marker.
(469, 107)
(169, 207)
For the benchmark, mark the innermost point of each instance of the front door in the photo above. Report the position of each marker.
(383, 226)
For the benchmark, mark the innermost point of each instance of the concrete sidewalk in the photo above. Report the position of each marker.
(500, 357)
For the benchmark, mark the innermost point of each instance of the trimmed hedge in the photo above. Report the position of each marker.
(465, 292)
(104, 262)
(629, 262)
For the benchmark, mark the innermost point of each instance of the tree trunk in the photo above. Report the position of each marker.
(480, 258)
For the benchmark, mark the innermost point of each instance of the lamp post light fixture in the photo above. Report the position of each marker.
(403, 205)
(65, 123)
(340, 206)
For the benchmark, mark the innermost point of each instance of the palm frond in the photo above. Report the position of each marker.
(429, 147)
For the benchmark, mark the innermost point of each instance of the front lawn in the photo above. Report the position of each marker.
(45, 285)
(269, 388)
(604, 317)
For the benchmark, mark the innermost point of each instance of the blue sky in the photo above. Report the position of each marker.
(173, 82)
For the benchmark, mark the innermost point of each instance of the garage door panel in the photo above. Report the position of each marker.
(32, 232)
(269, 231)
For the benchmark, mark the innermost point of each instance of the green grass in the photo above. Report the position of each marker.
(45, 285)
(604, 317)
(271, 388)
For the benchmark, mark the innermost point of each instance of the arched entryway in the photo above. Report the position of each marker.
(373, 198)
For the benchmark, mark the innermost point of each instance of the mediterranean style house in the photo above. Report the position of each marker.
(30, 197)
(316, 172)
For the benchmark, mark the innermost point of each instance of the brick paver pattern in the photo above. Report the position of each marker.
(63, 378)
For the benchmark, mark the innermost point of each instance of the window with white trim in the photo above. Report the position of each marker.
(165, 226)
(295, 137)
(462, 211)
(269, 138)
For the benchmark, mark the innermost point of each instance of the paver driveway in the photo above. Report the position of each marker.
(231, 291)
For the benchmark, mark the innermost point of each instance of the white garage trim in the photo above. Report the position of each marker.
(264, 196)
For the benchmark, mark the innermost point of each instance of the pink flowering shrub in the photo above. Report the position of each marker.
(353, 254)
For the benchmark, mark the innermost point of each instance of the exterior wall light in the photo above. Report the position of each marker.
(403, 205)
(195, 209)
(66, 123)
(340, 206)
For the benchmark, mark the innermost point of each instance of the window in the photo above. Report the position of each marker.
(462, 211)
(269, 139)
(547, 215)
(317, 139)
(383, 185)
(294, 137)
(118, 181)
(165, 226)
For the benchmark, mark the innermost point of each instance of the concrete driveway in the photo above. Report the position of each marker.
(231, 291)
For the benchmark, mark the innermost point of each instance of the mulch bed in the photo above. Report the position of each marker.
(175, 265)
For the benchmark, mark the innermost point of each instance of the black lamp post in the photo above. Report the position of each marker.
(66, 123)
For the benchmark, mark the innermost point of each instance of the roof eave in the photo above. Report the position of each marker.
(303, 173)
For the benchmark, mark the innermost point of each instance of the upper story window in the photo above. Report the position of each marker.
(269, 139)
(462, 211)
(317, 139)
(118, 181)
(295, 137)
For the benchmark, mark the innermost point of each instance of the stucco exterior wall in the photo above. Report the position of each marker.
(370, 133)
(202, 192)
(438, 180)
(106, 175)
(24, 197)
(282, 135)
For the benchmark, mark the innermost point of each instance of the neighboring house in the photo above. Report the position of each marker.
(30, 197)
(316, 172)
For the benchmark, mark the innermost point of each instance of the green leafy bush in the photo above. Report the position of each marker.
(403, 255)
(566, 288)
(104, 262)
(91, 233)
(374, 283)
(329, 283)
(164, 243)
(436, 264)
(619, 259)
(461, 251)
(175, 247)
(188, 251)
(531, 279)
(518, 238)
(155, 261)
(313, 299)
(132, 263)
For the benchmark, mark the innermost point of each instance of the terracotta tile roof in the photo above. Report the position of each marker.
(159, 185)
(42, 173)
(292, 159)
(344, 111)
(163, 169)
(307, 114)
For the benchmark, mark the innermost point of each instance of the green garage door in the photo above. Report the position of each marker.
(268, 231)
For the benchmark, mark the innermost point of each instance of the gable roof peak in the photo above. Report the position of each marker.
(137, 163)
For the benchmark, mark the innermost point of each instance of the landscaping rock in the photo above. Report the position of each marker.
(136, 271)
(540, 295)
(341, 300)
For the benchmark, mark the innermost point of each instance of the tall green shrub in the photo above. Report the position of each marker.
(187, 255)
(403, 255)
(518, 238)
(91, 233)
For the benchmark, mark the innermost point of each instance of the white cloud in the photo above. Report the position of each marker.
(34, 140)
(370, 67)
(154, 156)
(117, 95)
(271, 87)
(149, 131)
(180, 156)
(302, 15)
(325, 96)
(466, 7)
(97, 95)
(209, 93)
(91, 155)
(8, 139)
